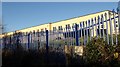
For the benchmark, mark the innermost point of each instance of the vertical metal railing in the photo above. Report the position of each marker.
(105, 22)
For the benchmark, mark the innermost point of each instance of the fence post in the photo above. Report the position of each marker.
(73, 34)
(31, 44)
(66, 35)
(81, 32)
(38, 36)
(96, 27)
(47, 40)
(17, 41)
(69, 30)
(92, 27)
(46, 53)
(33, 38)
(99, 26)
(89, 29)
(28, 40)
(115, 26)
(106, 27)
(76, 33)
(102, 20)
(22, 40)
(86, 32)
(111, 33)
(10, 42)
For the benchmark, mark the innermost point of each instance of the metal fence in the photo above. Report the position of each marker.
(104, 26)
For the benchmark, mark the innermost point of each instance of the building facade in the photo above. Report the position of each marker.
(107, 17)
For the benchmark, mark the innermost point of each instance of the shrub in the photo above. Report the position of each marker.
(99, 52)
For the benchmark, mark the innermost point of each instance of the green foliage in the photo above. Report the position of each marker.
(61, 42)
(93, 53)
(81, 40)
(97, 50)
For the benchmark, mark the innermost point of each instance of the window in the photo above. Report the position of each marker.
(101, 26)
(33, 31)
(26, 33)
(116, 25)
(42, 32)
(41, 29)
(54, 29)
(37, 30)
(68, 26)
(86, 23)
(77, 25)
(60, 28)
(98, 26)
(73, 25)
(37, 33)
(80, 24)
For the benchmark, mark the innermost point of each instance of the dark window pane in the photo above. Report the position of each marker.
(61, 28)
(68, 26)
(58, 27)
(54, 28)
(101, 26)
(116, 25)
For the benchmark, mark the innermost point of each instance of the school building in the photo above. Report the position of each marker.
(93, 19)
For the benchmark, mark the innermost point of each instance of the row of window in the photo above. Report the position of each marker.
(61, 28)
(69, 27)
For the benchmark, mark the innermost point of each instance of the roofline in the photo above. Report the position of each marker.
(59, 20)
(82, 16)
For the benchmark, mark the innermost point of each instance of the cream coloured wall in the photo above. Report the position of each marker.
(80, 19)
(36, 28)
(86, 18)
